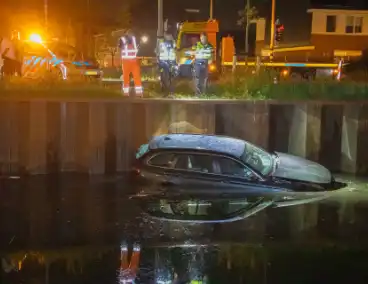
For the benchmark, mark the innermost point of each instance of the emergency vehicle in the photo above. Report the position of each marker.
(188, 34)
(60, 59)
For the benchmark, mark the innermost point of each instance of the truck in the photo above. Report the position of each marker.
(288, 62)
(188, 34)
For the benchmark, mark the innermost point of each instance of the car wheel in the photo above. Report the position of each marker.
(56, 74)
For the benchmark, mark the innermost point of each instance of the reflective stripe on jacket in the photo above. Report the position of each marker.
(129, 47)
(167, 51)
(203, 51)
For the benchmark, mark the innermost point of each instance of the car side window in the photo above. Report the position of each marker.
(195, 162)
(231, 167)
(162, 160)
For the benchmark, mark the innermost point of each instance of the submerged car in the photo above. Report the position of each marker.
(220, 165)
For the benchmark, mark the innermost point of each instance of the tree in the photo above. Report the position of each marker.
(253, 15)
(246, 16)
(110, 20)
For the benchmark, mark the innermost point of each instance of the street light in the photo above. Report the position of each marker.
(144, 39)
(35, 38)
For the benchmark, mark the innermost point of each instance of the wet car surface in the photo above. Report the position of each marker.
(223, 165)
(70, 230)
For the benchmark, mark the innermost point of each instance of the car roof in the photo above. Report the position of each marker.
(219, 144)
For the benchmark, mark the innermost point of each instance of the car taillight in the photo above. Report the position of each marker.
(136, 171)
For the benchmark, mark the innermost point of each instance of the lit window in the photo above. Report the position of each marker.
(358, 24)
(354, 25)
(349, 24)
(331, 24)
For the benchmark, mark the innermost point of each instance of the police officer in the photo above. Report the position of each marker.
(167, 63)
(203, 54)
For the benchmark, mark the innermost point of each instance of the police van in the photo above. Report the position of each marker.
(59, 59)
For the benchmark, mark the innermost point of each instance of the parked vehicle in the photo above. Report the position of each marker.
(224, 166)
(58, 58)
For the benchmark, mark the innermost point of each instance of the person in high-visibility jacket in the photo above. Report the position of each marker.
(203, 56)
(130, 64)
(129, 268)
(18, 52)
(8, 57)
(167, 64)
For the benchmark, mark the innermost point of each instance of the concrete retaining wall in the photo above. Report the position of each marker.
(100, 137)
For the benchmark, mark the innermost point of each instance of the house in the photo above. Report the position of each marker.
(339, 32)
(334, 33)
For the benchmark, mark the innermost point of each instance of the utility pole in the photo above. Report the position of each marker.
(89, 34)
(45, 10)
(160, 18)
(160, 22)
(272, 35)
(211, 9)
(247, 19)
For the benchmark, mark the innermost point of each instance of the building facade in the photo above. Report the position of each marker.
(333, 34)
(337, 32)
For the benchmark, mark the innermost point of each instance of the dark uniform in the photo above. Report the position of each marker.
(167, 65)
(203, 53)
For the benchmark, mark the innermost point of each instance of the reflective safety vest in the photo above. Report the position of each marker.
(128, 47)
(127, 277)
(167, 51)
(7, 49)
(203, 51)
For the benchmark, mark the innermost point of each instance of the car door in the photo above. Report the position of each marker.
(35, 60)
(156, 169)
(183, 172)
(196, 173)
(238, 179)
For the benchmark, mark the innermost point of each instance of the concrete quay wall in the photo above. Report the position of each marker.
(101, 136)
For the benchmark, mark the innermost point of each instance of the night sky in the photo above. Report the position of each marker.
(292, 13)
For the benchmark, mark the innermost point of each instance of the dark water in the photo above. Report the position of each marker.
(70, 230)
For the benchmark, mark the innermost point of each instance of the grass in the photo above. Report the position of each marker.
(25, 88)
(241, 85)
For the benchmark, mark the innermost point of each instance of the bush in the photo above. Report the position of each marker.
(246, 85)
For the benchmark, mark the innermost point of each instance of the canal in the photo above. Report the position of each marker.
(70, 229)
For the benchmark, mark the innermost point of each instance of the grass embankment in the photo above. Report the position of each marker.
(228, 86)
(55, 89)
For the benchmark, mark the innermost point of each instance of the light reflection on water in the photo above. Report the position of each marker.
(73, 227)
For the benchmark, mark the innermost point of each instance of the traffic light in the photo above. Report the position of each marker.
(279, 32)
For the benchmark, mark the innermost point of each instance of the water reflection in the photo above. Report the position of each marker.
(204, 211)
(71, 230)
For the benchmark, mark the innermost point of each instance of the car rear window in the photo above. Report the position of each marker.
(143, 149)
(162, 160)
